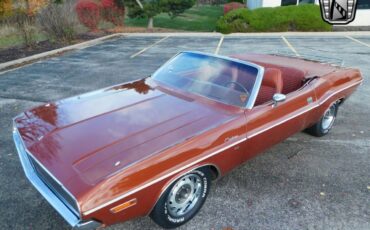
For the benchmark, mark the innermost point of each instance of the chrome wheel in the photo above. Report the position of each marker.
(329, 117)
(184, 195)
(183, 199)
(324, 125)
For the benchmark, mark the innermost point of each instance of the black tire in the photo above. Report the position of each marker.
(323, 127)
(161, 214)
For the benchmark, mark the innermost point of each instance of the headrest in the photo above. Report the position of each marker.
(272, 78)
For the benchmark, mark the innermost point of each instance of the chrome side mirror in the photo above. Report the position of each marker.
(278, 97)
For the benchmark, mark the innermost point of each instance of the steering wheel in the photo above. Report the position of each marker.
(238, 84)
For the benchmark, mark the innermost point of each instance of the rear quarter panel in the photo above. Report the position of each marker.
(337, 85)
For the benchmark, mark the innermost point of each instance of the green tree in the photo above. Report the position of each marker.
(144, 9)
(151, 8)
(176, 7)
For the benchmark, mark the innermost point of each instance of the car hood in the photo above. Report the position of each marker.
(97, 134)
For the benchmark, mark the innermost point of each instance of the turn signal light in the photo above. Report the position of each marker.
(124, 206)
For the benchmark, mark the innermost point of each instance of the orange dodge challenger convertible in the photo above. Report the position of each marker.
(153, 146)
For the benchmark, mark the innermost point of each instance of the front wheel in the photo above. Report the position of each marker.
(182, 200)
(326, 122)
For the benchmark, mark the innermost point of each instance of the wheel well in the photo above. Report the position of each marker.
(215, 174)
(215, 171)
(341, 101)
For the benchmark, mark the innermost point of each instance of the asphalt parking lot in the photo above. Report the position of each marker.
(302, 183)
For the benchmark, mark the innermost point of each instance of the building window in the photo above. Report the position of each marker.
(363, 4)
(296, 2)
(306, 1)
(288, 2)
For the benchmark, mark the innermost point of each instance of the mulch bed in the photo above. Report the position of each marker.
(21, 52)
(12, 53)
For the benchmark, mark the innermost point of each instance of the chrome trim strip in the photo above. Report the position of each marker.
(280, 122)
(58, 205)
(162, 177)
(256, 88)
(195, 162)
(77, 212)
(315, 105)
(224, 58)
(88, 225)
(68, 215)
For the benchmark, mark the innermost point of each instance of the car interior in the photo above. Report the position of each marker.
(279, 79)
(276, 79)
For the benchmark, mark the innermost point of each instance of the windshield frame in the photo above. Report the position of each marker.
(256, 86)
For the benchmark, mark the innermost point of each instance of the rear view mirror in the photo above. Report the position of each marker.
(278, 97)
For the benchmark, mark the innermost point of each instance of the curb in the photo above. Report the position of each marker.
(30, 59)
(216, 34)
(11, 65)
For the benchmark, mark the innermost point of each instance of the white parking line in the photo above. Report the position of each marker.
(358, 41)
(219, 44)
(145, 49)
(290, 46)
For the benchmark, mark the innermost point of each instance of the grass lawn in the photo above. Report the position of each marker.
(198, 18)
(10, 40)
(17, 40)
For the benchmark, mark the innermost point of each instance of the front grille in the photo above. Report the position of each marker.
(57, 189)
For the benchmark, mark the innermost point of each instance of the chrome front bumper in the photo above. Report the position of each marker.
(45, 191)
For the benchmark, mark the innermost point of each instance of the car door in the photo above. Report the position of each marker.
(269, 124)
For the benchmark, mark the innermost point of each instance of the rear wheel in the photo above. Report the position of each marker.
(182, 200)
(326, 122)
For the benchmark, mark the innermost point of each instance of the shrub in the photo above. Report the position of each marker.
(5, 8)
(112, 12)
(24, 23)
(305, 17)
(88, 13)
(19, 19)
(212, 2)
(34, 6)
(59, 21)
(239, 1)
(232, 6)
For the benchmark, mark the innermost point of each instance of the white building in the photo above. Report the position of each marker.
(362, 14)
